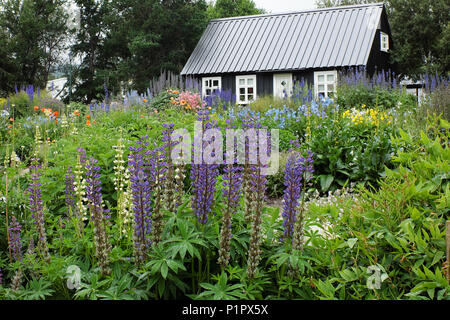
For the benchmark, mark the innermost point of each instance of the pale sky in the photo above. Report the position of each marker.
(276, 6)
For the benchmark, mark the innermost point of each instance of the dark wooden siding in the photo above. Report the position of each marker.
(264, 84)
(307, 75)
(229, 83)
(380, 60)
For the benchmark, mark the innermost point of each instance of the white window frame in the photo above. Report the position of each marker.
(210, 86)
(245, 86)
(326, 82)
(384, 39)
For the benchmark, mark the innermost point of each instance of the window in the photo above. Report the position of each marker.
(245, 89)
(384, 41)
(325, 83)
(210, 85)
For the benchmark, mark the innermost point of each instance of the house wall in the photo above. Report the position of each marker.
(379, 60)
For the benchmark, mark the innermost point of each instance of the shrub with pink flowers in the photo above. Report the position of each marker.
(189, 100)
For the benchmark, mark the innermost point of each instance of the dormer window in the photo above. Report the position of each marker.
(384, 42)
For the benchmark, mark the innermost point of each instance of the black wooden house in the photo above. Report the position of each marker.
(264, 54)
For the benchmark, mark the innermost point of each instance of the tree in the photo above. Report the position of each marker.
(35, 33)
(337, 3)
(232, 8)
(89, 47)
(420, 31)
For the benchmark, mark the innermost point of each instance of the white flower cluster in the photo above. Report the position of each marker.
(124, 196)
(80, 191)
(119, 167)
(15, 160)
(37, 141)
(124, 208)
(64, 123)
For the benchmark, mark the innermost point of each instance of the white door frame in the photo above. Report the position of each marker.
(277, 76)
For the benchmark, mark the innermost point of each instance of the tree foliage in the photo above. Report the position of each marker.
(420, 31)
(33, 36)
(232, 8)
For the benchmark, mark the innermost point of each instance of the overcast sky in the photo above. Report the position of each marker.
(275, 6)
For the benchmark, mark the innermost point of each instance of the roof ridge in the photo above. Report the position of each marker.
(376, 4)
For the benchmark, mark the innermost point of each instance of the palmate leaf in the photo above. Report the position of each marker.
(186, 242)
(39, 289)
(221, 290)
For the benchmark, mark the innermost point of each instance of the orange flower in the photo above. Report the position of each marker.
(183, 102)
(88, 123)
(93, 121)
(11, 119)
(76, 113)
(142, 116)
(9, 126)
(36, 108)
(176, 92)
(56, 114)
(88, 116)
(50, 110)
(145, 100)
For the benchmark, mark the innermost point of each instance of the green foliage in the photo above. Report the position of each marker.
(384, 239)
(33, 34)
(232, 8)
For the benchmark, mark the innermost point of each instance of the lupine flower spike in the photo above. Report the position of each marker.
(36, 207)
(158, 168)
(15, 240)
(307, 170)
(98, 218)
(141, 200)
(203, 175)
(169, 194)
(232, 193)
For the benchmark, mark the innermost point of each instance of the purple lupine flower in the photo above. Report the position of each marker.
(232, 194)
(82, 156)
(36, 206)
(306, 171)
(15, 240)
(141, 192)
(69, 183)
(203, 175)
(257, 184)
(169, 189)
(250, 121)
(291, 197)
(158, 168)
(98, 217)
(30, 92)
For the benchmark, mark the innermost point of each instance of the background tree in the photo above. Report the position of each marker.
(35, 32)
(232, 8)
(420, 30)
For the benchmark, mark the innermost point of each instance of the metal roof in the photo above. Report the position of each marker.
(320, 38)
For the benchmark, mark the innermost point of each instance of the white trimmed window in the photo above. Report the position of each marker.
(245, 89)
(384, 42)
(325, 83)
(211, 84)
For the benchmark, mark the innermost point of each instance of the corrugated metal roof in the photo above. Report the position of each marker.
(320, 38)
